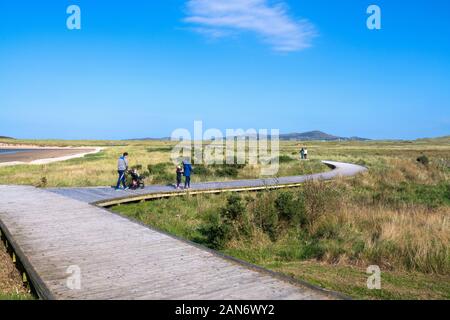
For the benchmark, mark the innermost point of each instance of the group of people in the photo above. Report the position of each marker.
(304, 154)
(185, 169)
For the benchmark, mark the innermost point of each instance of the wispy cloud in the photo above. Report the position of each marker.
(271, 22)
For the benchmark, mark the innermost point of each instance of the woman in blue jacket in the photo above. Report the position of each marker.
(187, 170)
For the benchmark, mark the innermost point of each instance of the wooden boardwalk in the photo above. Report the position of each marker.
(107, 196)
(54, 235)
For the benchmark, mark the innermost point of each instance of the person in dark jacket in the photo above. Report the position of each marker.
(122, 167)
(302, 154)
(179, 173)
(187, 170)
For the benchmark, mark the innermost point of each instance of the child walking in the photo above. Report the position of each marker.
(179, 174)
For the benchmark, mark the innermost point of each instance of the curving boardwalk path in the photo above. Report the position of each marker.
(105, 196)
(56, 234)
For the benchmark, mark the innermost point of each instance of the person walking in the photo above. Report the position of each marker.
(302, 154)
(187, 170)
(179, 173)
(306, 154)
(122, 167)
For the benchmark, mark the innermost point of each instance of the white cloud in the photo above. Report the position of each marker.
(219, 18)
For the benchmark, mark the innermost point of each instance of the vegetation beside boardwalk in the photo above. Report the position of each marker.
(395, 216)
(11, 286)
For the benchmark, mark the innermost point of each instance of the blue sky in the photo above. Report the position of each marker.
(145, 68)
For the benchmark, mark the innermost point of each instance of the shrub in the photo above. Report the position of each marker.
(216, 232)
(361, 162)
(158, 173)
(285, 159)
(201, 170)
(318, 197)
(289, 208)
(234, 163)
(158, 168)
(42, 183)
(312, 250)
(326, 230)
(160, 149)
(234, 209)
(231, 221)
(423, 159)
(163, 177)
(266, 215)
(228, 171)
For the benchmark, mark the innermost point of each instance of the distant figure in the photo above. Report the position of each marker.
(305, 154)
(187, 169)
(179, 173)
(122, 167)
(302, 154)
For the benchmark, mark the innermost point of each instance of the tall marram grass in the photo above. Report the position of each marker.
(396, 216)
(381, 217)
(411, 238)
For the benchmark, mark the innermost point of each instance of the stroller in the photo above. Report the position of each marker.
(137, 181)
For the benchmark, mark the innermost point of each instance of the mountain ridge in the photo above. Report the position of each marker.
(315, 135)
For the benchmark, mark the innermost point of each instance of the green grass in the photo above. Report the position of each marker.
(177, 216)
(351, 281)
(394, 216)
(16, 297)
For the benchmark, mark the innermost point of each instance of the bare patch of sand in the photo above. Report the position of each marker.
(43, 155)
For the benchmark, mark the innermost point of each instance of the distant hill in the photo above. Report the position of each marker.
(150, 139)
(436, 139)
(305, 136)
(4, 137)
(317, 136)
